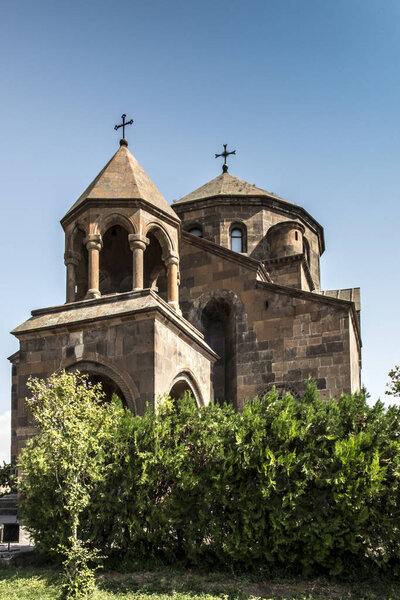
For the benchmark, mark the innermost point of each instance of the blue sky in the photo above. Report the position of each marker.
(308, 93)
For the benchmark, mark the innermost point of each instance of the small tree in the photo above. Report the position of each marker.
(61, 467)
(394, 384)
(7, 479)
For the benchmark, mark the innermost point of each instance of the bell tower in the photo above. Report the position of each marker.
(121, 322)
(121, 235)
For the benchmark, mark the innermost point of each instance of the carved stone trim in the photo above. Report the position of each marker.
(71, 257)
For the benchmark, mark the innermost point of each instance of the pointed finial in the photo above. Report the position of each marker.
(123, 141)
(225, 154)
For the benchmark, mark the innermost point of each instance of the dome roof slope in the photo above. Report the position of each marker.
(124, 178)
(226, 185)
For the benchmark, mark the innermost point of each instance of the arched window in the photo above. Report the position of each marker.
(237, 239)
(197, 231)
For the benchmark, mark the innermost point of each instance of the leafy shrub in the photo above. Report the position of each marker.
(7, 479)
(301, 486)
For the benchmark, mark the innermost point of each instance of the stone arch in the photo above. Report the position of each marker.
(162, 236)
(115, 218)
(244, 334)
(161, 264)
(219, 315)
(186, 381)
(194, 314)
(91, 364)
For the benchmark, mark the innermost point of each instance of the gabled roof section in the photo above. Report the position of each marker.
(246, 261)
(123, 179)
(226, 185)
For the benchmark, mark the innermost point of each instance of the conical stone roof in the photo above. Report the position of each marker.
(226, 185)
(124, 178)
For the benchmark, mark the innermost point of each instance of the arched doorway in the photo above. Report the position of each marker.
(218, 326)
(115, 261)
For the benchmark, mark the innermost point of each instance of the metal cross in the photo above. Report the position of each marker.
(225, 154)
(123, 125)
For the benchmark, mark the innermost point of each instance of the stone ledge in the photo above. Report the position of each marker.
(129, 304)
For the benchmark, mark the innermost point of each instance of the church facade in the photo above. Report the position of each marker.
(218, 294)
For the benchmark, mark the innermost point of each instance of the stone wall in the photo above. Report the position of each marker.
(141, 351)
(175, 359)
(282, 335)
(216, 217)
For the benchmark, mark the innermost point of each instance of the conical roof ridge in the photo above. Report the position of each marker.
(124, 178)
(225, 185)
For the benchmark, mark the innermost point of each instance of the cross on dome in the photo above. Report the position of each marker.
(123, 141)
(225, 154)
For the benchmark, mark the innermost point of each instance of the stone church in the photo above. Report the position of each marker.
(218, 294)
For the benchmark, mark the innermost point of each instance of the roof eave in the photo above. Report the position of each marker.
(87, 203)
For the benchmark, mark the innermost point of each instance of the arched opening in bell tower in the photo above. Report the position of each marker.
(155, 273)
(115, 261)
(218, 326)
(81, 268)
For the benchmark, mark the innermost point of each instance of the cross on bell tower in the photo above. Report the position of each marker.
(123, 141)
(225, 154)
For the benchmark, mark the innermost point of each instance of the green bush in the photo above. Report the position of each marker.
(7, 479)
(300, 486)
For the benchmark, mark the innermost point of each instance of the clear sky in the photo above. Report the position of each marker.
(307, 92)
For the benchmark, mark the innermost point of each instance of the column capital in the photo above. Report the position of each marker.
(93, 241)
(171, 259)
(71, 258)
(138, 241)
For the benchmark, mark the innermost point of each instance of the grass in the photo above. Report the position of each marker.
(35, 583)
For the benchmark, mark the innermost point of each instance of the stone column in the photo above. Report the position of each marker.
(138, 245)
(71, 260)
(93, 244)
(172, 263)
